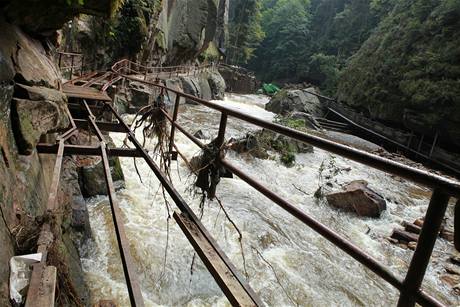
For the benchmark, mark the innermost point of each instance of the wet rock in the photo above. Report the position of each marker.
(249, 144)
(121, 105)
(175, 84)
(418, 222)
(93, 181)
(260, 143)
(79, 219)
(6, 95)
(140, 94)
(392, 240)
(6, 69)
(404, 236)
(199, 135)
(455, 259)
(412, 227)
(447, 234)
(206, 92)
(352, 140)
(452, 269)
(288, 101)
(28, 57)
(188, 27)
(358, 198)
(191, 86)
(217, 85)
(46, 16)
(451, 279)
(412, 245)
(239, 80)
(42, 112)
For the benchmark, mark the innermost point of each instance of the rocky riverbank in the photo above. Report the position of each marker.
(33, 109)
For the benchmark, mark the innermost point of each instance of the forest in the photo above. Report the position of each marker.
(325, 42)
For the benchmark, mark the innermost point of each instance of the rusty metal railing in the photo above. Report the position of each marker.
(153, 72)
(77, 63)
(443, 189)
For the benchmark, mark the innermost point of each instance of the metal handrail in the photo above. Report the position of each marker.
(443, 188)
(139, 69)
(425, 178)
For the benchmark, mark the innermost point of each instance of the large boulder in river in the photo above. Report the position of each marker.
(92, 179)
(288, 101)
(217, 85)
(357, 197)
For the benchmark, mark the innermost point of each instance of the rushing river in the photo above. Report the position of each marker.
(288, 264)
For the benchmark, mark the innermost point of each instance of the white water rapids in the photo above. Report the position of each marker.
(288, 264)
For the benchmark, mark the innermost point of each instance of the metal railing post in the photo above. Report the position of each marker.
(173, 127)
(82, 65)
(71, 66)
(222, 127)
(420, 260)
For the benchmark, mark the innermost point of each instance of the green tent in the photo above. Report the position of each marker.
(270, 89)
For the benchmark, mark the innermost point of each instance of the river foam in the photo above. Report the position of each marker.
(287, 263)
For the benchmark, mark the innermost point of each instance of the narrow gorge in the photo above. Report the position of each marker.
(229, 153)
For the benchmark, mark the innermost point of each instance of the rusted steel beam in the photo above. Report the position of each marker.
(129, 270)
(97, 80)
(422, 177)
(92, 120)
(104, 126)
(218, 268)
(79, 107)
(184, 208)
(174, 119)
(329, 234)
(421, 258)
(82, 150)
(222, 127)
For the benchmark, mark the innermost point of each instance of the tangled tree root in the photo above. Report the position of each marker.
(208, 169)
(152, 120)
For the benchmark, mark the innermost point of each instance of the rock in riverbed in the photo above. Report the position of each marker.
(357, 197)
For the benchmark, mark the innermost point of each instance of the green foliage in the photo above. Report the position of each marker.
(288, 158)
(311, 40)
(324, 69)
(411, 62)
(286, 27)
(131, 29)
(245, 31)
(75, 2)
(298, 124)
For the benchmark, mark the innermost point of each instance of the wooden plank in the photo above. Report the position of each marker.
(73, 91)
(218, 268)
(43, 286)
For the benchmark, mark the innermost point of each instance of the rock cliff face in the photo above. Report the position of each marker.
(188, 27)
(155, 32)
(407, 72)
(32, 108)
(239, 80)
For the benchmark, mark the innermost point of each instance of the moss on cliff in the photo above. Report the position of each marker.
(411, 64)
